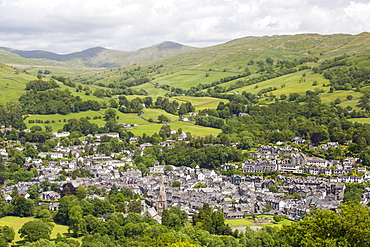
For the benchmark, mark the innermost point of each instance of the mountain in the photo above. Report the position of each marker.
(236, 53)
(102, 57)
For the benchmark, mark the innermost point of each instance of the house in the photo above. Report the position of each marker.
(298, 140)
(182, 136)
(50, 196)
(288, 168)
(113, 135)
(36, 161)
(156, 169)
(61, 134)
(234, 215)
(314, 161)
(3, 152)
(227, 166)
(134, 139)
(329, 145)
(52, 155)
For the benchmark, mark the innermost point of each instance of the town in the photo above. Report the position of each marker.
(277, 179)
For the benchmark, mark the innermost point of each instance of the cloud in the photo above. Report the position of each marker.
(67, 25)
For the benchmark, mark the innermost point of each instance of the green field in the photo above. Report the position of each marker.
(149, 129)
(151, 90)
(154, 113)
(238, 222)
(287, 84)
(12, 83)
(186, 79)
(130, 118)
(342, 95)
(360, 120)
(248, 222)
(60, 120)
(17, 222)
(201, 103)
(195, 130)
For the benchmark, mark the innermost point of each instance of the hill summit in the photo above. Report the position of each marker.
(103, 57)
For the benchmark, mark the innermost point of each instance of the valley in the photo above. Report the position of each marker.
(187, 146)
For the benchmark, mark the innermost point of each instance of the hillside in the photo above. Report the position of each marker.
(210, 65)
(250, 70)
(102, 57)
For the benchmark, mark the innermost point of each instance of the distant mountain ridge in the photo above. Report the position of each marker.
(227, 56)
(103, 57)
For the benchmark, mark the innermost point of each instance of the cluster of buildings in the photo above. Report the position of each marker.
(236, 195)
(283, 159)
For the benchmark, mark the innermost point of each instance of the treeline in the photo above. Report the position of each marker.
(210, 157)
(348, 78)
(116, 89)
(136, 105)
(330, 63)
(64, 80)
(56, 101)
(40, 85)
(11, 115)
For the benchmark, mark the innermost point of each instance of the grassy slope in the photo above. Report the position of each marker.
(189, 69)
(189, 78)
(360, 120)
(200, 103)
(60, 120)
(154, 113)
(12, 83)
(196, 130)
(17, 222)
(247, 222)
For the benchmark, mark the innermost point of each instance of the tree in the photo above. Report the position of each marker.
(76, 223)
(44, 215)
(110, 114)
(163, 119)
(134, 206)
(176, 183)
(349, 227)
(35, 230)
(174, 218)
(199, 185)
(3, 242)
(68, 190)
(33, 191)
(7, 233)
(23, 207)
(65, 205)
(277, 218)
(81, 192)
(45, 242)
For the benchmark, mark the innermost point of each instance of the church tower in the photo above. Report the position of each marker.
(162, 199)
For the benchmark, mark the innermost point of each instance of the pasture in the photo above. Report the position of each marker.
(188, 78)
(154, 113)
(61, 120)
(17, 222)
(248, 221)
(195, 130)
(290, 83)
(360, 120)
(201, 103)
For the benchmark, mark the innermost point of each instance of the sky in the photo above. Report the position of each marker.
(65, 26)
